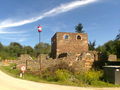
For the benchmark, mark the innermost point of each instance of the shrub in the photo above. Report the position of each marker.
(92, 76)
(89, 76)
(48, 75)
(62, 65)
(62, 75)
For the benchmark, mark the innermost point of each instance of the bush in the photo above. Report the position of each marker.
(89, 76)
(48, 75)
(62, 65)
(62, 75)
(92, 76)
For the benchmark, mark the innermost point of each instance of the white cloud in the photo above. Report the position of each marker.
(60, 9)
(22, 39)
(14, 39)
(9, 32)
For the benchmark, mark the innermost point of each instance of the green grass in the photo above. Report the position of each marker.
(27, 76)
(63, 77)
(8, 70)
(16, 73)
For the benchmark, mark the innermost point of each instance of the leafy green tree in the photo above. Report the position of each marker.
(92, 45)
(15, 49)
(42, 48)
(1, 47)
(111, 47)
(79, 28)
(28, 50)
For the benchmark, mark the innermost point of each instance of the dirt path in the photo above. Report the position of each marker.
(10, 83)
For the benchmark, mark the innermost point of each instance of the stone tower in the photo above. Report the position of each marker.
(64, 43)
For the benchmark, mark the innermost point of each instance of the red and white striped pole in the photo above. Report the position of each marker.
(39, 58)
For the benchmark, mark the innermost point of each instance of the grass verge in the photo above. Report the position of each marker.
(62, 77)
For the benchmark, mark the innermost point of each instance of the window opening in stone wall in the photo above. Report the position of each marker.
(66, 36)
(78, 37)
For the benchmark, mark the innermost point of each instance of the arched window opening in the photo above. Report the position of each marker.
(78, 37)
(66, 36)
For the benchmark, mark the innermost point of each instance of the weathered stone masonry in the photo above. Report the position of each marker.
(64, 43)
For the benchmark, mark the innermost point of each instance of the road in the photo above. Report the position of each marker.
(10, 83)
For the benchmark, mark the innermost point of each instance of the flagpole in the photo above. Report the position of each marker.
(39, 58)
(40, 55)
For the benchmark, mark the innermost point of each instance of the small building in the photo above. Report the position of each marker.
(64, 43)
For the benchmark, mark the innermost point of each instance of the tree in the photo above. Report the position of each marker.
(110, 47)
(92, 45)
(1, 46)
(42, 48)
(79, 28)
(15, 49)
(118, 36)
(28, 50)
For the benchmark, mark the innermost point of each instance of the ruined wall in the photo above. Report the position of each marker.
(79, 62)
(63, 42)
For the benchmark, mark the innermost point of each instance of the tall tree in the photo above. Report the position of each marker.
(15, 49)
(28, 50)
(92, 45)
(111, 47)
(79, 28)
(1, 46)
(118, 36)
(42, 48)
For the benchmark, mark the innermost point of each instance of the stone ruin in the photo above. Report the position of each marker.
(112, 57)
(83, 61)
(69, 48)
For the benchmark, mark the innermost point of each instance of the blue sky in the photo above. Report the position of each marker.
(19, 19)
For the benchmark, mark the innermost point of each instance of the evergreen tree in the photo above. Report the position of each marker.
(92, 45)
(79, 28)
(118, 36)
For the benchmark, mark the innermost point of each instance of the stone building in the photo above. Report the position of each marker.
(64, 43)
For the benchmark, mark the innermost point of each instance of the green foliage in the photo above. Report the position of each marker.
(118, 36)
(91, 76)
(15, 49)
(1, 46)
(79, 28)
(42, 48)
(10, 70)
(111, 47)
(31, 77)
(92, 45)
(12, 65)
(49, 75)
(103, 84)
(62, 75)
(28, 50)
(88, 77)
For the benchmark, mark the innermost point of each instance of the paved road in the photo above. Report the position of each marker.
(10, 83)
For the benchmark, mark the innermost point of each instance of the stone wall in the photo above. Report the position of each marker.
(83, 61)
(68, 43)
(112, 57)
